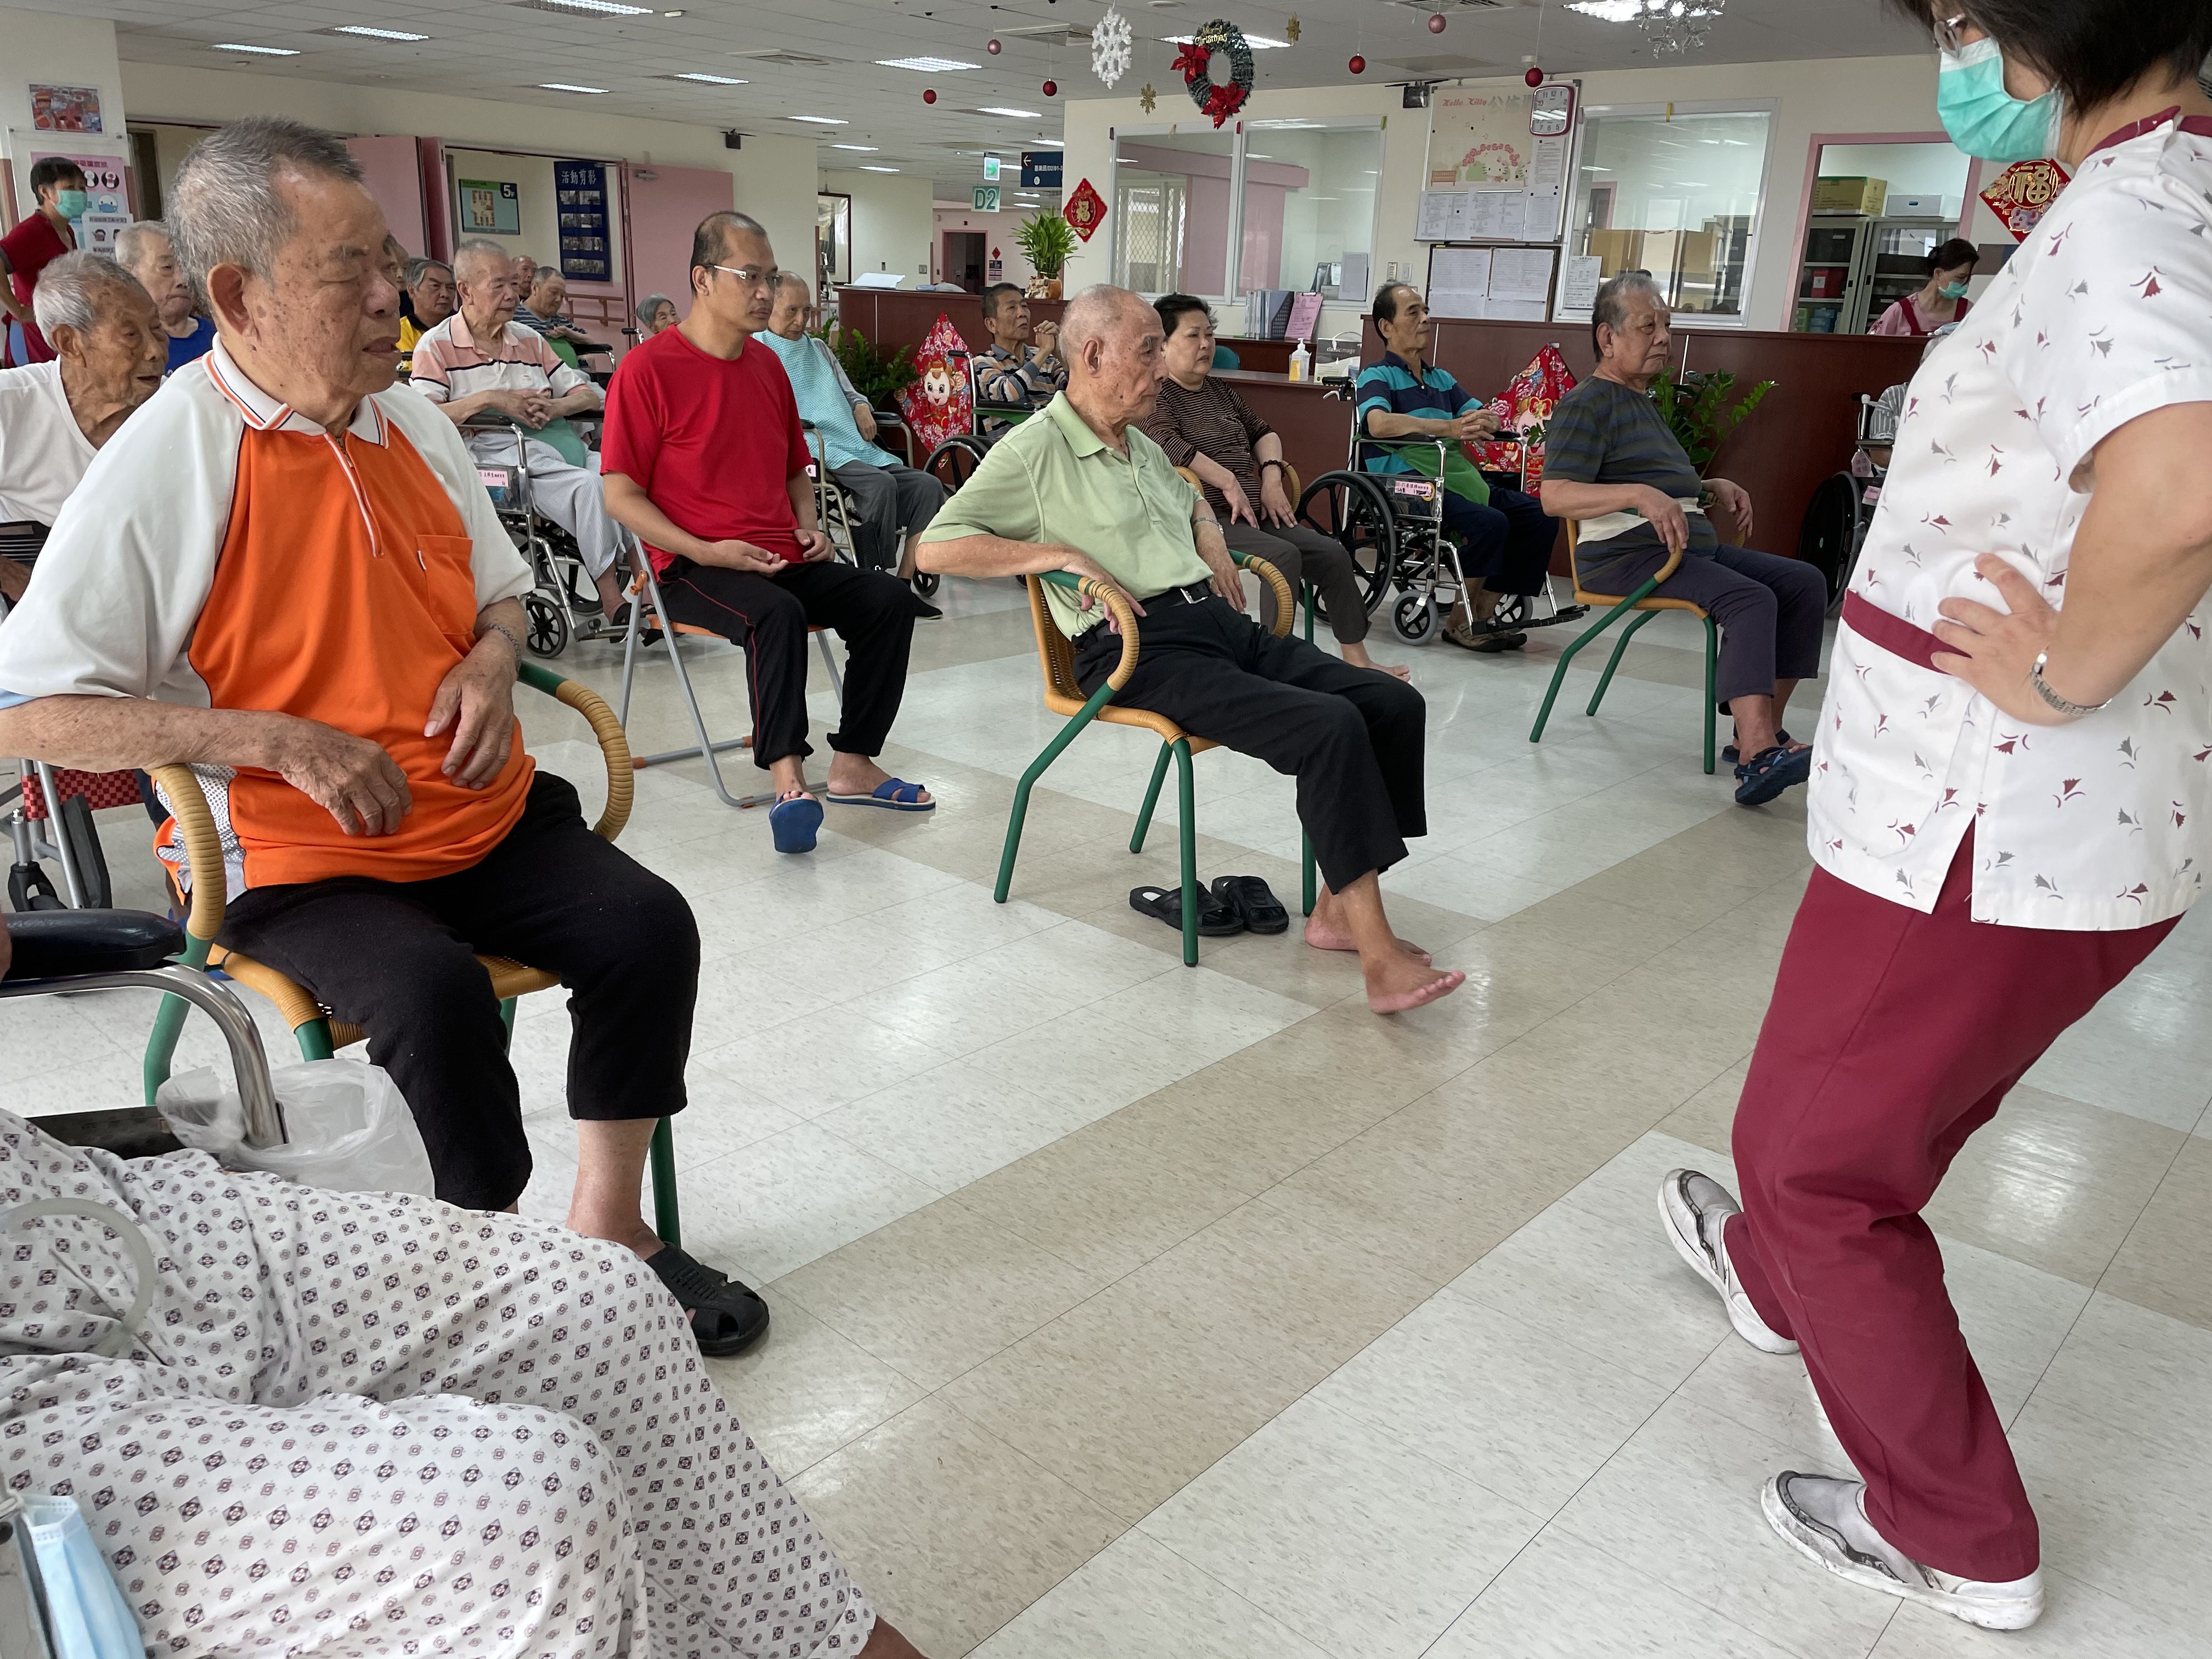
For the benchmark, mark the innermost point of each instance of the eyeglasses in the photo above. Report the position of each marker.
(747, 277)
(1946, 33)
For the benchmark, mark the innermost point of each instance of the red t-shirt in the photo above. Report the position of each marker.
(30, 248)
(713, 443)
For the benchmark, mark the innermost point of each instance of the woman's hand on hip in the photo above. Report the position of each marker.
(1994, 650)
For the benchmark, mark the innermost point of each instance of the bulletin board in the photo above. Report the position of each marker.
(580, 191)
(1479, 139)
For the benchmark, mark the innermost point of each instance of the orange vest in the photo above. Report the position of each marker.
(344, 593)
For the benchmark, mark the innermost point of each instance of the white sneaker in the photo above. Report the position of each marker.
(1826, 1520)
(1694, 1208)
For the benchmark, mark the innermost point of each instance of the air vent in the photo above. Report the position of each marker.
(1451, 5)
(1444, 64)
(786, 59)
(1052, 34)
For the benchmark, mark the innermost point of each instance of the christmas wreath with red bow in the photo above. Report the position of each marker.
(1223, 101)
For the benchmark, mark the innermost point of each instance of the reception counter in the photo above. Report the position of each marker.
(892, 318)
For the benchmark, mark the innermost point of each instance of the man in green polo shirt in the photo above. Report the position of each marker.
(1079, 487)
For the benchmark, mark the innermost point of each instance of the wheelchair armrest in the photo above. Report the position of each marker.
(66, 944)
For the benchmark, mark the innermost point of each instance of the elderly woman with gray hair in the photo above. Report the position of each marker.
(656, 313)
(1612, 463)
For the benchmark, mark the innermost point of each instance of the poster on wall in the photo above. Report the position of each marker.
(1478, 140)
(65, 109)
(580, 192)
(106, 177)
(2022, 193)
(490, 207)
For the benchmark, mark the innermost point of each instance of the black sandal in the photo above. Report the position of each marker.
(1253, 903)
(730, 1316)
(1215, 919)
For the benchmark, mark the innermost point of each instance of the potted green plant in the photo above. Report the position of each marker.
(1046, 240)
(1702, 409)
(875, 377)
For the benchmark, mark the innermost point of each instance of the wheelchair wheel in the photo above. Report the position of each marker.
(546, 632)
(1512, 611)
(1352, 508)
(73, 825)
(953, 462)
(925, 583)
(1413, 619)
(1830, 530)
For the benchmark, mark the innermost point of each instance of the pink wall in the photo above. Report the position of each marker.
(663, 206)
(392, 171)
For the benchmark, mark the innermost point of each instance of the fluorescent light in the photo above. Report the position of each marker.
(1255, 156)
(927, 64)
(1012, 114)
(368, 34)
(869, 167)
(1257, 42)
(869, 148)
(603, 7)
(819, 120)
(711, 80)
(1609, 11)
(258, 52)
(564, 86)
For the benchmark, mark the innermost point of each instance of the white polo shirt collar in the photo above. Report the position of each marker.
(266, 414)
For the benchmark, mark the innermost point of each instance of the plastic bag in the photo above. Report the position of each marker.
(347, 1127)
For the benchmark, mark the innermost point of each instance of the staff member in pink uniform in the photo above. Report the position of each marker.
(2008, 813)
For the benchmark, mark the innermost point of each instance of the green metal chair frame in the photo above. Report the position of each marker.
(1064, 696)
(1647, 605)
(318, 1032)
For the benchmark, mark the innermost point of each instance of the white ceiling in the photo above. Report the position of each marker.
(498, 49)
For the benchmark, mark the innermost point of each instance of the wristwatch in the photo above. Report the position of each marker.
(2073, 711)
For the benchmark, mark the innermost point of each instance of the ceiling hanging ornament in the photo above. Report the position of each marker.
(1672, 27)
(1146, 98)
(1224, 37)
(1292, 29)
(1111, 38)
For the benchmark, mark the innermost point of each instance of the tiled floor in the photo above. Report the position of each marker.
(1129, 1311)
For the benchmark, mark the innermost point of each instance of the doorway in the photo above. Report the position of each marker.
(964, 258)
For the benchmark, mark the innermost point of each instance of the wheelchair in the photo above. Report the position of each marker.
(565, 605)
(1841, 511)
(953, 462)
(1392, 524)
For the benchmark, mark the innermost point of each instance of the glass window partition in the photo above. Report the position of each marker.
(1173, 206)
(1677, 195)
(1308, 205)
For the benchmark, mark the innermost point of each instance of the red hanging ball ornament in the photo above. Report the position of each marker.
(929, 94)
(1052, 89)
(1358, 65)
(1435, 22)
(993, 47)
(1535, 77)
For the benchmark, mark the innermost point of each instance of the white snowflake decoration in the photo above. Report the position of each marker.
(1109, 47)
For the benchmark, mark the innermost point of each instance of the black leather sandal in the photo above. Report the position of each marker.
(728, 1317)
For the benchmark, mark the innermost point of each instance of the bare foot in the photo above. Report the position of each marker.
(857, 775)
(1323, 937)
(884, 1643)
(1395, 987)
(1357, 657)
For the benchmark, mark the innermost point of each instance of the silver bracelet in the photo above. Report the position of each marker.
(2052, 699)
(507, 634)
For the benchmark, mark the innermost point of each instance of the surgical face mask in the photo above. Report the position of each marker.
(1982, 118)
(1953, 291)
(72, 203)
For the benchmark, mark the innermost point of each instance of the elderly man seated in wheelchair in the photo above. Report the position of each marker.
(1014, 373)
(1081, 488)
(364, 1368)
(511, 394)
(892, 502)
(1504, 537)
(110, 350)
(1612, 464)
(1200, 422)
(328, 630)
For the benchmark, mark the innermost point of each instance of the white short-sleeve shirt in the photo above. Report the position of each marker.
(2103, 314)
(43, 453)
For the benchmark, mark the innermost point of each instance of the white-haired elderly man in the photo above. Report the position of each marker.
(291, 576)
(145, 250)
(509, 391)
(108, 345)
(1080, 488)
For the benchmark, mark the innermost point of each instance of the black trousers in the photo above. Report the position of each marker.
(398, 958)
(1305, 553)
(1507, 544)
(768, 616)
(1353, 738)
(894, 502)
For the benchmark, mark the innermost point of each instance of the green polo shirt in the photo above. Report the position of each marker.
(1051, 479)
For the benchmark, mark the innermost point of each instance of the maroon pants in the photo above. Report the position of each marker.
(1893, 1036)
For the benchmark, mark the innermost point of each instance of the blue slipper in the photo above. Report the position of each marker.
(893, 795)
(794, 823)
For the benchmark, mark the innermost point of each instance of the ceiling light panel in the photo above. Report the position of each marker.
(928, 66)
(1012, 114)
(566, 86)
(819, 120)
(368, 34)
(1257, 42)
(592, 8)
(255, 51)
(708, 80)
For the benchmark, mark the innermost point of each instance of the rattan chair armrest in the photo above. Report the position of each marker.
(1118, 606)
(1268, 573)
(203, 849)
(614, 744)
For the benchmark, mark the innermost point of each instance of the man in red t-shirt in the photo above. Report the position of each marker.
(57, 187)
(704, 458)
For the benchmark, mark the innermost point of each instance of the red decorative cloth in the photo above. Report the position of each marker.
(940, 402)
(1525, 407)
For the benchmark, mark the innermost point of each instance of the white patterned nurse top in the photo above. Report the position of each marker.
(2103, 314)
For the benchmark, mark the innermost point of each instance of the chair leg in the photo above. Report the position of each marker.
(666, 1219)
(161, 1042)
(1613, 662)
(1186, 808)
(1051, 752)
(829, 662)
(1152, 799)
(1306, 862)
(1712, 679)
(1311, 590)
(506, 1018)
(1559, 673)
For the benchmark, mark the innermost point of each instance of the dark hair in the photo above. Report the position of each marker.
(1386, 301)
(713, 235)
(995, 293)
(52, 170)
(2091, 50)
(1174, 307)
(1954, 253)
